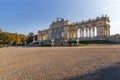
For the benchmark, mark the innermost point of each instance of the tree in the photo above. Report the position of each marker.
(30, 37)
(12, 38)
(36, 37)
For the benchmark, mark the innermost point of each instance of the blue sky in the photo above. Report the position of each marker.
(24, 16)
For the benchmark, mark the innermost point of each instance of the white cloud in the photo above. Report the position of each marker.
(107, 7)
(115, 27)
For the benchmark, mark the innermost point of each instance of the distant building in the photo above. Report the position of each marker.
(65, 30)
(115, 38)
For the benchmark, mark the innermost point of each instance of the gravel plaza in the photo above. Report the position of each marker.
(92, 62)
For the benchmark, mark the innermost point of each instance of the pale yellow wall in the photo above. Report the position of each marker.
(68, 26)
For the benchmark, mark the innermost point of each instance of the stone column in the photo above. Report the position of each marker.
(47, 36)
(93, 31)
(86, 32)
(72, 34)
(76, 33)
(105, 32)
(82, 32)
(97, 33)
(68, 35)
(89, 32)
(38, 37)
(108, 32)
(41, 36)
(44, 36)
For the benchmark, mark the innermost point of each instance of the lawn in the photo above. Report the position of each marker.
(1, 46)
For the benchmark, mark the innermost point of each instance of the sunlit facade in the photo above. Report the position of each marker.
(65, 30)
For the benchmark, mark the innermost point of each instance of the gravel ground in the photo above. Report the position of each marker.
(60, 63)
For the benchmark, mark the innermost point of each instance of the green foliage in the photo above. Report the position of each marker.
(10, 38)
(30, 37)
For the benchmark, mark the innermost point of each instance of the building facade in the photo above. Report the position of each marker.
(115, 38)
(65, 30)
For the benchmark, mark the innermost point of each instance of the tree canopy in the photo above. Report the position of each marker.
(12, 38)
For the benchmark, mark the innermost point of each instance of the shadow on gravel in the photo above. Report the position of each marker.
(109, 73)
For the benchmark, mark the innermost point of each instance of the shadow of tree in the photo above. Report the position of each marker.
(110, 73)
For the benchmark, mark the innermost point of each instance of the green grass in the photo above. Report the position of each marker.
(83, 44)
(45, 45)
(94, 42)
(97, 42)
(1, 46)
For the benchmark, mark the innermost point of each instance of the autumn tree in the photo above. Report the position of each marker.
(12, 38)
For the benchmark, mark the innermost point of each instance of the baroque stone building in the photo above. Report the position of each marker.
(65, 30)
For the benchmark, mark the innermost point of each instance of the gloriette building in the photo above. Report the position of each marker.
(63, 31)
